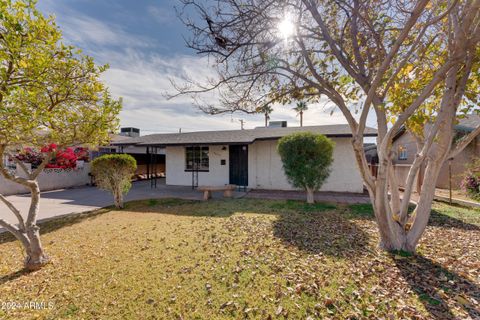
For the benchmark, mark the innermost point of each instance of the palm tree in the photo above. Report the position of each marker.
(300, 108)
(266, 110)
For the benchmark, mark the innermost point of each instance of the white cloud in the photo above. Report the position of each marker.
(160, 14)
(84, 31)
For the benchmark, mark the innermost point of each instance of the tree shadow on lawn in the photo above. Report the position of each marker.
(12, 276)
(437, 218)
(56, 223)
(439, 288)
(319, 228)
(327, 233)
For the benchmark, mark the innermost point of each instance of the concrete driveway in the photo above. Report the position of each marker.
(60, 202)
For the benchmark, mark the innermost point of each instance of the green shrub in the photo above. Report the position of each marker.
(113, 172)
(306, 160)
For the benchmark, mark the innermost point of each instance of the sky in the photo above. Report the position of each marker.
(143, 43)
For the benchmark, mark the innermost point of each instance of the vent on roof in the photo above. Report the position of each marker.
(130, 132)
(277, 124)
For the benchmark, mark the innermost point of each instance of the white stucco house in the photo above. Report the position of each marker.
(248, 158)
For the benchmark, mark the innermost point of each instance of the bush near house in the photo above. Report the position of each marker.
(30, 155)
(64, 159)
(61, 159)
(471, 182)
(306, 160)
(82, 154)
(113, 172)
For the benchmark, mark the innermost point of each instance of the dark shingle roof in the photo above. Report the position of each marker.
(239, 136)
(469, 123)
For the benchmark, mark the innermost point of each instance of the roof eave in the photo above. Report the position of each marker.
(151, 144)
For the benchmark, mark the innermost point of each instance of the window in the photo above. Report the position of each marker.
(402, 153)
(196, 158)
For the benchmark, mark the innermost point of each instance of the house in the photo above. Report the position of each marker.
(247, 158)
(406, 148)
(149, 160)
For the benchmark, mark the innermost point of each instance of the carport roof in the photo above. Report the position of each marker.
(238, 136)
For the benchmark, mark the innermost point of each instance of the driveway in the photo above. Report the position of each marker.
(61, 202)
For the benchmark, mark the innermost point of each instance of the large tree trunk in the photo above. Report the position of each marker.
(35, 255)
(26, 231)
(398, 229)
(391, 235)
(403, 233)
(437, 157)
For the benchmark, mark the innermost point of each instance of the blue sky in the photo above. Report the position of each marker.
(143, 42)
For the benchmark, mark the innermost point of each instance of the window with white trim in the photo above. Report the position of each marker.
(197, 158)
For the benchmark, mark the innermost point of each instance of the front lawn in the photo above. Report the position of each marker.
(259, 259)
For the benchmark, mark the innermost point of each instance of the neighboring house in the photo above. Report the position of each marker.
(406, 148)
(247, 157)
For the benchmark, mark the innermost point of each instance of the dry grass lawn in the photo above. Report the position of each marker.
(243, 259)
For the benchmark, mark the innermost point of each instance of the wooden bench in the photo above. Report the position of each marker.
(227, 190)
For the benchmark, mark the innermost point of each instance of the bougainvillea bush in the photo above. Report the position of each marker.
(29, 155)
(471, 182)
(471, 185)
(62, 159)
(82, 154)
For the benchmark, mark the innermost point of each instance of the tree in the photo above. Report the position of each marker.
(266, 110)
(114, 172)
(414, 64)
(49, 92)
(300, 109)
(306, 160)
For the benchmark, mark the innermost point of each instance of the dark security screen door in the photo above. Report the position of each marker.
(238, 155)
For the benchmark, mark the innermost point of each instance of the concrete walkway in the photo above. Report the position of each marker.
(62, 202)
(440, 196)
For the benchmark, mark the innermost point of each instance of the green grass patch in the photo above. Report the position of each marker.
(427, 298)
(152, 202)
(361, 210)
(446, 214)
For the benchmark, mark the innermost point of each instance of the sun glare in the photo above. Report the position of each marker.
(286, 28)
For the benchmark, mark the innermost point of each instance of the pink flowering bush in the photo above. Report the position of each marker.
(82, 154)
(62, 159)
(29, 155)
(65, 159)
(52, 147)
(471, 182)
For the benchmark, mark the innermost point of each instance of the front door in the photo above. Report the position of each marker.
(238, 155)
